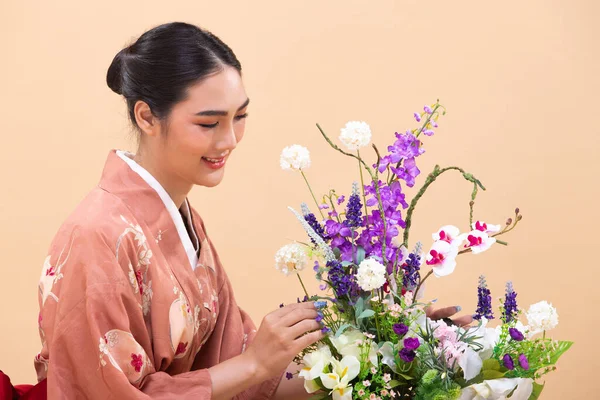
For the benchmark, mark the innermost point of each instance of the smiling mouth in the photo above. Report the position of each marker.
(215, 163)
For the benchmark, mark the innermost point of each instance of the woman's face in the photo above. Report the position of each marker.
(201, 131)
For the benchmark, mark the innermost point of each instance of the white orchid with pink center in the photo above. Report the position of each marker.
(449, 234)
(478, 241)
(485, 227)
(442, 258)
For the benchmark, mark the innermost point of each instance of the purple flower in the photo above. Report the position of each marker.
(428, 109)
(411, 271)
(323, 206)
(516, 334)
(316, 267)
(411, 343)
(400, 329)
(407, 172)
(484, 301)
(510, 303)
(341, 199)
(354, 210)
(428, 132)
(407, 355)
(289, 375)
(433, 123)
(417, 117)
(508, 362)
(317, 227)
(323, 286)
(343, 284)
(523, 362)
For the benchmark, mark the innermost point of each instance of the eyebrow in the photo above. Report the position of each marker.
(212, 113)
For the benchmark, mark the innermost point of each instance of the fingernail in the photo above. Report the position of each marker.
(458, 308)
(320, 304)
(434, 300)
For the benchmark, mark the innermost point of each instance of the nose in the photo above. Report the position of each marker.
(227, 140)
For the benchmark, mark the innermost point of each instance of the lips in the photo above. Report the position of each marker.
(214, 163)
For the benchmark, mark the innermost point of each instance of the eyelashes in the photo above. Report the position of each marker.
(237, 118)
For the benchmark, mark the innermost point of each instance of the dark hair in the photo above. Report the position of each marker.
(163, 62)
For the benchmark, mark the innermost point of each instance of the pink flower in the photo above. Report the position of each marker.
(137, 362)
(361, 392)
(387, 378)
(181, 348)
(373, 370)
(384, 392)
(366, 383)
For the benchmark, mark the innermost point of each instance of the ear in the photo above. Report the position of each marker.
(146, 121)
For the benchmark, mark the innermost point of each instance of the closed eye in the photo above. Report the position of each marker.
(209, 125)
(240, 117)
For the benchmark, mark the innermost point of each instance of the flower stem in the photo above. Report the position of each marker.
(419, 285)
(313, 195)
(437, 171)
(362, 185)
(302, 283)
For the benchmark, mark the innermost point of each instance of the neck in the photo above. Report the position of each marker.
(176, 189)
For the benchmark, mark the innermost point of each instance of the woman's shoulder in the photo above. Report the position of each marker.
(98, 220)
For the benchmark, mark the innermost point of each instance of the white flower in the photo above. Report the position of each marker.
(352, 342)
(355, 134)
(339, 378)
(449, 234)
(295, 157)
(478, 241)
(389, 351)
(370, 274)
(291, 258)
(498, 389)
(314, 364)
(541, 317)
(442, 257)
(483, 227)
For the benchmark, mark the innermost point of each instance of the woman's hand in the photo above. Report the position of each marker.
(445, 314)
(281, 336)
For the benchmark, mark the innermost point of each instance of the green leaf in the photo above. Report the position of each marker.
(537, 391)
(346, 263)
(360, 255)
(407, 377)
(491, 374)
(393, 383)
(358, 308)
(491, 364)
(562, 347)
(342, 329)
(366, 314)
(320, 396)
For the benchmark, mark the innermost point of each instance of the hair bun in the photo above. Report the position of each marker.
(114, 76)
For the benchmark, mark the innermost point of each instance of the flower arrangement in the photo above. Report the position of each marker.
(380, 342)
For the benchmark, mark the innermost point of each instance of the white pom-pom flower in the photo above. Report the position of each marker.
(355, 134)
(541, 317)
(291, 258)
(294, 157)
(370, 274)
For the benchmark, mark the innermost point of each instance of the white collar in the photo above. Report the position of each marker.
(169, 205)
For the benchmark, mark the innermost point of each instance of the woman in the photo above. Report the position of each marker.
(134, 300)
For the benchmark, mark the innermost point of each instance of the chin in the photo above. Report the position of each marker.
(209, 181)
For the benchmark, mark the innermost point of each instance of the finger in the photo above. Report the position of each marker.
(280, 312)
(463, 320)
(308, 339)
(302, 327)
(297, 315)
(445, 312)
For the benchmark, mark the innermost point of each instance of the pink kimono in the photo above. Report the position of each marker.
(134, 302)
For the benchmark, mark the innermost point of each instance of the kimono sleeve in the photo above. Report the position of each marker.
(232, 334)
(95, 337)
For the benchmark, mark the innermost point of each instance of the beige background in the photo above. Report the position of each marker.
(519, 80)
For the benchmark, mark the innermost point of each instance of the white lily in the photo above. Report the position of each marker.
(338, 380)
(314, 364)
(498, 389)
(350, 342)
